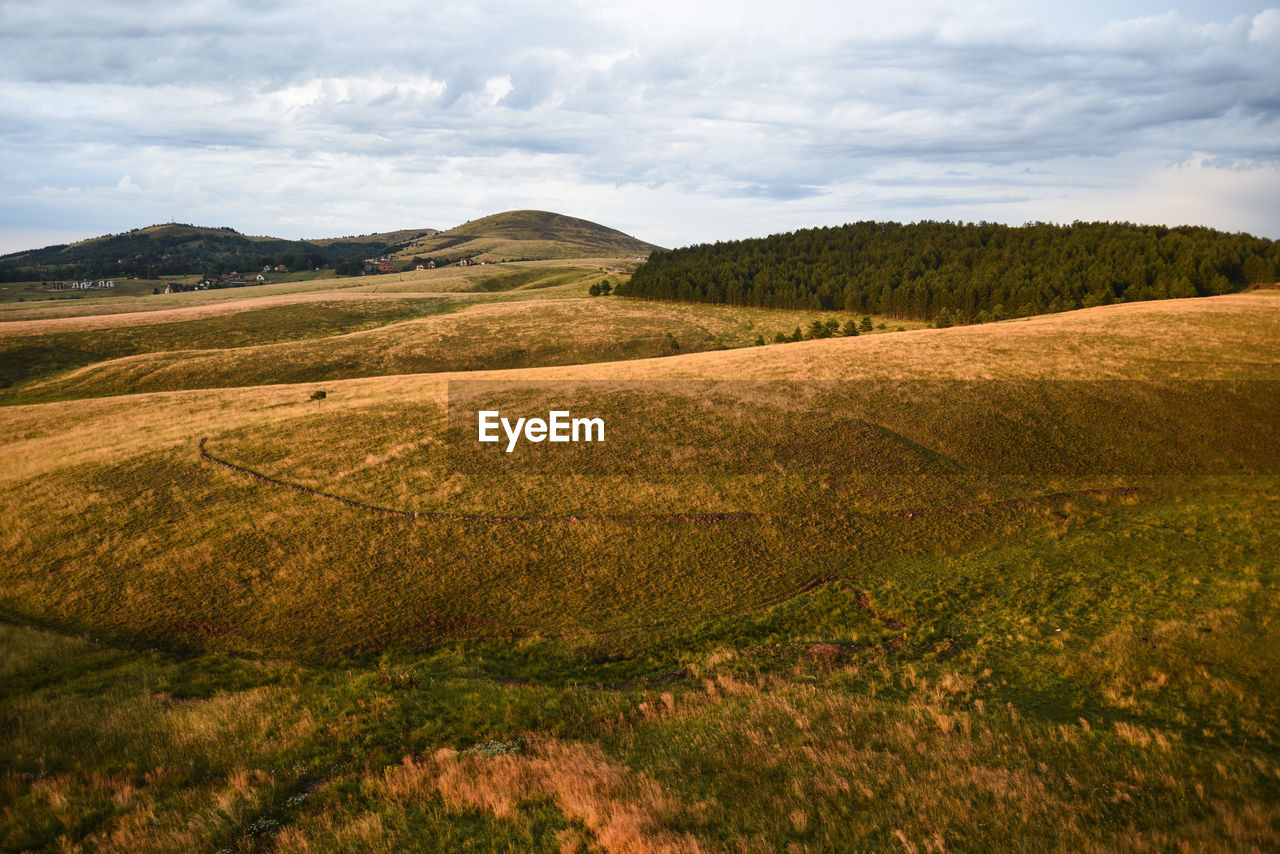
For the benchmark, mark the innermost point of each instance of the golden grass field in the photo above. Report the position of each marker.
(997, 587)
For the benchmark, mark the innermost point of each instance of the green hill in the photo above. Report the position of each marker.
(177, 248)
(527, 235)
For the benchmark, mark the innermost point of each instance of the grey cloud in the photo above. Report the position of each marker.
(778, 192)
(406, 93)
(940, 202)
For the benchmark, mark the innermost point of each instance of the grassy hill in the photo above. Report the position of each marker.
(1005, 586)
(519, 235)
(398, 237)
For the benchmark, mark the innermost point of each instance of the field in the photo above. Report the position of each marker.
(1009, 586)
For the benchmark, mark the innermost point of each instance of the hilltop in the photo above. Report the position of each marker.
(527, 235)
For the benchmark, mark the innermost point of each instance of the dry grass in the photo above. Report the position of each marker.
(517, 334)
(624, 810)
(1079, 674)
(1222, 337)
(195, 311)
(115, 311)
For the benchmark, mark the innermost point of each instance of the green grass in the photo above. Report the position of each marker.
(1033, 718)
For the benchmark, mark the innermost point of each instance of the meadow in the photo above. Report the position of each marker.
(1008, 586)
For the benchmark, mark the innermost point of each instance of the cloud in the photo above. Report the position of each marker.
(725, 116)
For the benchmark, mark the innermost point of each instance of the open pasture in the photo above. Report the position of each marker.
(1003, 586)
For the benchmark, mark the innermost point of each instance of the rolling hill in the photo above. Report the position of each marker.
(1007, 586)
(527, 235)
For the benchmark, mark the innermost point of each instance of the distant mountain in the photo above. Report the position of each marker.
(526, 235)
(176, 248)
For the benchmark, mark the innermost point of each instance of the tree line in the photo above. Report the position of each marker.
(180, 250)
(959, 272)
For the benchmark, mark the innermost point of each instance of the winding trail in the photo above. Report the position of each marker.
(702, 518)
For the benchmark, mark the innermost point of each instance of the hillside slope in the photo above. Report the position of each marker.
(525, 234)
(1002, 587)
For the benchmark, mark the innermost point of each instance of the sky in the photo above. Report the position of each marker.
(677, 122)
